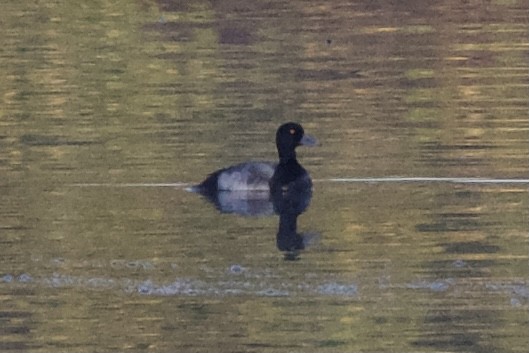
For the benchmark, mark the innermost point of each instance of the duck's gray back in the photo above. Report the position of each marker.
(246, 176)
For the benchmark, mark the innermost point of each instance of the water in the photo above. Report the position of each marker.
(416, 236)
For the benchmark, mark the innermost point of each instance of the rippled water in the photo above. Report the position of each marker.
(416, 236)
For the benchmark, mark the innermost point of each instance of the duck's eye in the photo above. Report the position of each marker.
(292, 131)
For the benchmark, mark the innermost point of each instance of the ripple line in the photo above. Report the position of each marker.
(131, 185)
(457, 180)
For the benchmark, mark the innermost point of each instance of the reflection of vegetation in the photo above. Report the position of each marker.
(125, 91)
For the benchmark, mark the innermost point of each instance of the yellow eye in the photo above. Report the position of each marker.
(292, 131)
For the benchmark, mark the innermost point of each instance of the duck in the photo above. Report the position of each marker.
(286, 174)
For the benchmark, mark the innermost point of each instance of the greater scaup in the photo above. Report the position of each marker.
(265, 176)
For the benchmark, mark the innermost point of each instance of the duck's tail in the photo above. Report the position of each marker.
(208, 186)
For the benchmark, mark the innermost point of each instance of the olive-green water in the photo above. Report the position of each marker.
(110, 109)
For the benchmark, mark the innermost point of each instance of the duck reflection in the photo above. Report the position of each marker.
(288, 204)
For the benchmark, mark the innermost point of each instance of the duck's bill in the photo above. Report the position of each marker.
(308, 140)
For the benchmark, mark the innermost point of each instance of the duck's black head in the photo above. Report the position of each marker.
(289, 173)
(288, 137)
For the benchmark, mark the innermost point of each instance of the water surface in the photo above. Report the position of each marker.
(416, 233)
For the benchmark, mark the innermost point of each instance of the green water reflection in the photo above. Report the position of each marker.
(165, 92)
